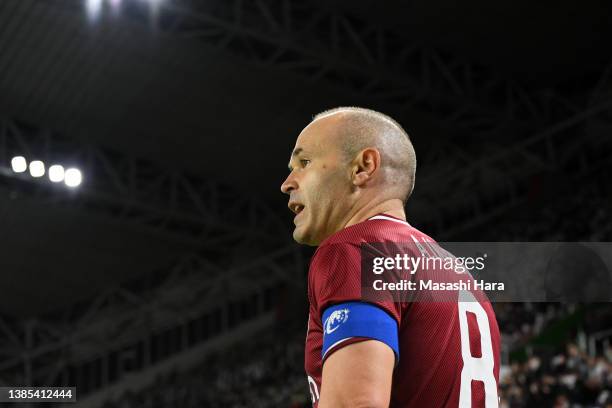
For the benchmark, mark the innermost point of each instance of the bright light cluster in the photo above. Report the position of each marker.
(94, 8)
(72, 177)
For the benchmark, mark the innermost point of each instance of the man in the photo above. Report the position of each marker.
(351, 172)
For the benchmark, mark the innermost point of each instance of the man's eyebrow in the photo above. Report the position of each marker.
(294, 153)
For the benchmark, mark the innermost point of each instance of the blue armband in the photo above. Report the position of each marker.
(358, 319)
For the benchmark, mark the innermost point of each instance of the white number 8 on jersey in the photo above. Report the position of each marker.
(480, 368)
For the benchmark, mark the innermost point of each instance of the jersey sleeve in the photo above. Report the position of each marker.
(336, 289)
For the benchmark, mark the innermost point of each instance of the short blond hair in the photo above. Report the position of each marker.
(362, 128)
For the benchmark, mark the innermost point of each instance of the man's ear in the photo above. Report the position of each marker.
(365, 165)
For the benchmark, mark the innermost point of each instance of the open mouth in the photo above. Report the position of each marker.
(296, 208)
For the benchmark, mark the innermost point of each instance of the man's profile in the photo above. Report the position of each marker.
(351, 172)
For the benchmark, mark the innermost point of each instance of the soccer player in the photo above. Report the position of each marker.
(351, 173)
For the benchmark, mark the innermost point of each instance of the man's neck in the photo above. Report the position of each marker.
(393, 207)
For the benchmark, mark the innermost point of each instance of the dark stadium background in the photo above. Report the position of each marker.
(169, 277)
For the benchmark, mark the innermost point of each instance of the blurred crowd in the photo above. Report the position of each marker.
(567, 379)
(268, 372)
(519, 322)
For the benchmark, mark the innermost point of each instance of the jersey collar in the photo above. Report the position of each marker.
(388, 218)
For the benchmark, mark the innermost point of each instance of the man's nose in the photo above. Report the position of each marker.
(288, 185)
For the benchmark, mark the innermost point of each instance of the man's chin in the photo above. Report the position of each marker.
(302, 237)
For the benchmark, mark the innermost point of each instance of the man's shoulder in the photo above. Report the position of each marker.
(348, 242)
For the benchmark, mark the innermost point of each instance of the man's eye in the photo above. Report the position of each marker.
(304, 162)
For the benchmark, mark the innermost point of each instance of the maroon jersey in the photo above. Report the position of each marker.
(448, 351)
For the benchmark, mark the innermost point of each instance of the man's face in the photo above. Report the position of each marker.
(319, 183)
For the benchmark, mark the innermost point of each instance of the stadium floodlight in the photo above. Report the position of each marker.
(93, 8)
(19, 164)
(37, 168)
(56, 173)
(73, 177)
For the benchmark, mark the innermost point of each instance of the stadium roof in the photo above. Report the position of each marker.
(196, 99)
